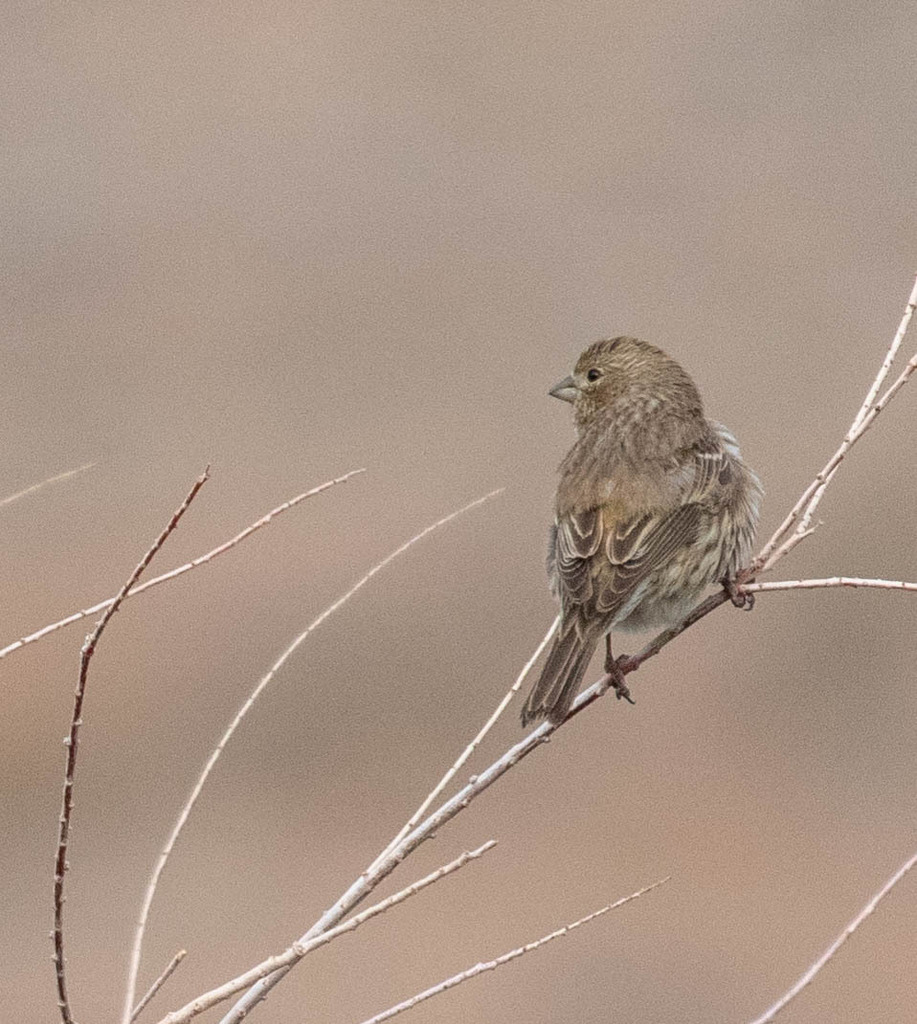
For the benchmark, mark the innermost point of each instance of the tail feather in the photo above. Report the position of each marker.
(567, 662)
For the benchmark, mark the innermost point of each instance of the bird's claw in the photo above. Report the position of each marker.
(738, 596)
(614, 669)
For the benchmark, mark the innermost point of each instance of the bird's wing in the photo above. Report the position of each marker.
(601, 559)
(633, 550)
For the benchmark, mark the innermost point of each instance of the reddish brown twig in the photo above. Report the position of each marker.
(182, 569)
(72, 743)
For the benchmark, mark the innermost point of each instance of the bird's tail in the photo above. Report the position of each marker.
(567, 662)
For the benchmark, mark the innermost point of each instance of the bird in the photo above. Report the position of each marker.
(654, 504)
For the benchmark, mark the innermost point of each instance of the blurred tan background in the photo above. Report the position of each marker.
(291, 239)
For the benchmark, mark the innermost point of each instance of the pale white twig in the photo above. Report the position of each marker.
(368, 881)
(72, 743)
(158, 983)
(856, 432)
(893, 390)
(491, 965)
(137, 946)
(799, 519)
(829, 953)
(299, 949)
(830, 581)
(187, 567)
(888, 360)
(44, 483)
(430, 825)
(471, 748)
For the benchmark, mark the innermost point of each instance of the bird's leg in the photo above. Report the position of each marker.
(613, 668)
(734, 588)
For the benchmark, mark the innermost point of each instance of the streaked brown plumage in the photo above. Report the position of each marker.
(654, 504)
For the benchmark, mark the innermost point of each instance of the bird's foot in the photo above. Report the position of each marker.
(614, 666)
(737, 594)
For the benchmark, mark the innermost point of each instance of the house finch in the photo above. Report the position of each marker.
(654, 504)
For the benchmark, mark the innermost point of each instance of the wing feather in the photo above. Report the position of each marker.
(578, 538)
(601, 560)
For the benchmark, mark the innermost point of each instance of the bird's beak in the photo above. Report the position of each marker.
(565, 390)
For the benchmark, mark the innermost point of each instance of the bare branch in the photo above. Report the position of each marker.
(472, 746)
(158, 983)
(830, 581)
(137, 947)
(72, 743)
(829, 953)
(491, 965)
(889, 359)
(384, 866)
(900, 381)
(187, 567)
(44, 483)
(300, 949)
(783, 541)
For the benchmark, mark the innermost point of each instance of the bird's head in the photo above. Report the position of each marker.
(626, 379)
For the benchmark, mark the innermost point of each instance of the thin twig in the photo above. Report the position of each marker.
(187, 567)
(158, 983)
(800, 516)
(137, 946)
(830, 581)
(829, 953)
(44, 483)
(384, 866)
(72, 743)
(856, 432)
(472, 746)
(491, 965)
(889, 358)
(899, 383)
(633, 662)
(300, 949)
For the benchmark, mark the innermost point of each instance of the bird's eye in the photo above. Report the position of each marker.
(593, 374)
